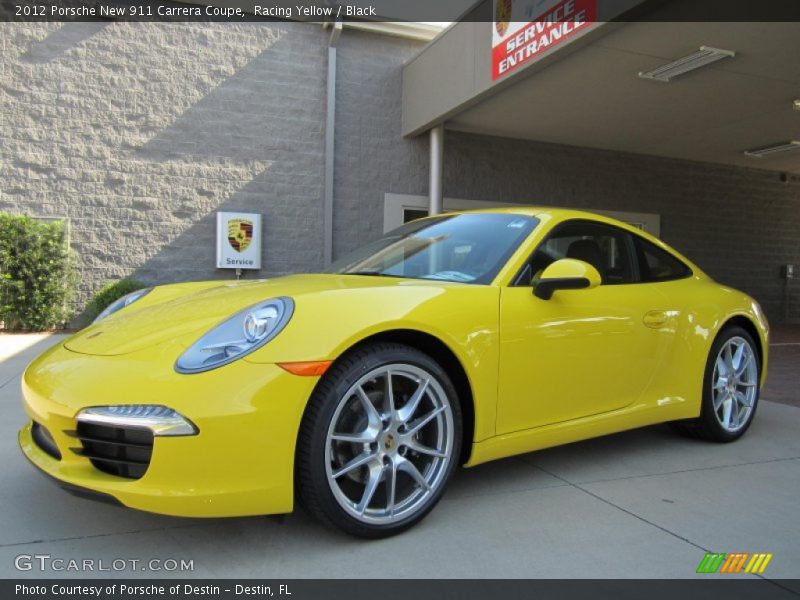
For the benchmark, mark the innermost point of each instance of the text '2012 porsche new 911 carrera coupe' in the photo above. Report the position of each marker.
(454, 340)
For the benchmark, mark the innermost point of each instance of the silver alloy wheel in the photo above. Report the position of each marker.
(735, 384)
(389, 444)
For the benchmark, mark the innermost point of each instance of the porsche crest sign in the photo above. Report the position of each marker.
(240, 234)
(238, 240)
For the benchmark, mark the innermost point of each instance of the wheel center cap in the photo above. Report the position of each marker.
(388, 441)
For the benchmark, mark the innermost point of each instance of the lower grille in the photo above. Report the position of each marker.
(121, 451)
(44, 440)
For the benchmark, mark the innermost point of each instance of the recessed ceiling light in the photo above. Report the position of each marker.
(776, 149)
(796, 105)
(704, 56)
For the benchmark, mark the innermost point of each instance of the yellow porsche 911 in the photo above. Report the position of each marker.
(453, 340)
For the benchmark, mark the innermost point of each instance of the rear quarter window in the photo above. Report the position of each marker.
(656, 264)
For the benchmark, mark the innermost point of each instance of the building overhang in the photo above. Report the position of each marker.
(587, 91)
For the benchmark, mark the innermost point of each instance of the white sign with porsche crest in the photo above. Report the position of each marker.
(238, 240)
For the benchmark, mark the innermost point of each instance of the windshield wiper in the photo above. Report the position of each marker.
(370, 273)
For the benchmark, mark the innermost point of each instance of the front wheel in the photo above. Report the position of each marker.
(730, 388)
(379, 441)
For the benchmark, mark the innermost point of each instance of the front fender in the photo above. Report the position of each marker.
(463, 317)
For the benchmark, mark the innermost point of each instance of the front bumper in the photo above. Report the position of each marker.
(240, 463)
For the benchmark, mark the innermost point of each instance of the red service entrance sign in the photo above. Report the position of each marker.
(518, 38)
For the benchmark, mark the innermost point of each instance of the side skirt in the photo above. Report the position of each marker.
(557, 434)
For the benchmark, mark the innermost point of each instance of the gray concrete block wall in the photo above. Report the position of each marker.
(371, 156)
(139, 133)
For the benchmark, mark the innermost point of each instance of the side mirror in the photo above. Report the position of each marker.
(566, 274)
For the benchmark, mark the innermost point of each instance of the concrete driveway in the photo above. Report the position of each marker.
(643, 504)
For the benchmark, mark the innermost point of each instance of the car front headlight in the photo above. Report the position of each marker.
(121, 303)
(238, 336)
(161, 420)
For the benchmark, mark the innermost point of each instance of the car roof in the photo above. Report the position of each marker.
(537, 211)
(556, 213)
(553, 212)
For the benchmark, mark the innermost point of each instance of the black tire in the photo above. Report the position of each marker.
(311, 469)
(707, 426)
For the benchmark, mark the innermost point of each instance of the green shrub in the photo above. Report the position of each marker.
(37, 273)
(109, 293)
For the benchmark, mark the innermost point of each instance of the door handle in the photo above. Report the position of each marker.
(656, 318)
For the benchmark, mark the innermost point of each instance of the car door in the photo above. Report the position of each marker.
(582, 352)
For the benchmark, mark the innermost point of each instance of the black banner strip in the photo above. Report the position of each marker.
(705, 588)
(239, 11)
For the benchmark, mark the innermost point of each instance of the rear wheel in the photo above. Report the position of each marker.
(730, 388)
(379, 442)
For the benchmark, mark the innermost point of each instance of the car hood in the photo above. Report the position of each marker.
(183, 312)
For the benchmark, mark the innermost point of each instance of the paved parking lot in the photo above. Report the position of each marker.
(644, 504)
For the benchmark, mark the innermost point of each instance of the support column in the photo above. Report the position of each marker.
(330, 128)
(435, 185)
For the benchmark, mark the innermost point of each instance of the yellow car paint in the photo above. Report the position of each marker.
(239, 464)
(541, 372)
(571, 268)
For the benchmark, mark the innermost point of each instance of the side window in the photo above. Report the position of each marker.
(657, 264)
(606, 248)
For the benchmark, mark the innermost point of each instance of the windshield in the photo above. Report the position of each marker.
(467, 248)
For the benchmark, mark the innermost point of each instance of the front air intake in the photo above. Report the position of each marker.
(44, 440)
(121, 451)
